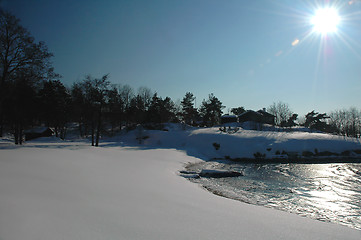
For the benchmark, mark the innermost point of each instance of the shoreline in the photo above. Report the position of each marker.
(214, 186)
(303, 160)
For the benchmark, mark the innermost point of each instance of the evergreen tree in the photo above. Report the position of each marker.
(114, 108)
(168, 113)
(238, 111)
(189, 112)
(161, 111)
(315, 120)
(290, 122)
(55, 106)
(136, 111)
(211, 110)
(79, 108)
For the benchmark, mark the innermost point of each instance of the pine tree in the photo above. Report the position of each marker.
(211, 110)
(55, 105)
(238, 111)
(189, 112)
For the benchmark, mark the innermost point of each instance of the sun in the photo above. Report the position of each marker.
(325, 20)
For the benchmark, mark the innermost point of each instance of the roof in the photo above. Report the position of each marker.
(228, 116)
(265, 113)
(250, 112)
(37, 130)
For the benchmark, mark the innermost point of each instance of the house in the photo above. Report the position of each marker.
(228, 119)
(38, 132)
(267, 117)
(260, 116)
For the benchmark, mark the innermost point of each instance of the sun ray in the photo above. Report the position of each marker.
(349, 43)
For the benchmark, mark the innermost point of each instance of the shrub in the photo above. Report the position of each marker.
(346, 153)
(307, 154)
(259, 155)
(216, 145)
(326, 154)
(358, 151)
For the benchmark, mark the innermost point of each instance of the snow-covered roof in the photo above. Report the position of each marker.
(228, 116)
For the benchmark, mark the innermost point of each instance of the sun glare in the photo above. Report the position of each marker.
(325, 20)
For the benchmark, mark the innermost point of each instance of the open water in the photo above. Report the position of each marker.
(327, 192)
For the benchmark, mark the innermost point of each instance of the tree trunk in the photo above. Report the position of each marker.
(1, 123)
(80, 129)
(99, 126)
(92, 130)
(21, 134)
(16, 134)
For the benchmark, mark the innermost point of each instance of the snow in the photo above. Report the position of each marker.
(198, 142)
(69, 190)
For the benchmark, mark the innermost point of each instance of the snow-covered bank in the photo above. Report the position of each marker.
(208, 143)
(72, 191)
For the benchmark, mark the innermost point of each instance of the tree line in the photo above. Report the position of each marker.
(31, 94)
(345, 122)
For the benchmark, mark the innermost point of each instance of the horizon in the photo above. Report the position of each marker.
(248, 54)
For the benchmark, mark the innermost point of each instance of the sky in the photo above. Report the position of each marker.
(248, 53)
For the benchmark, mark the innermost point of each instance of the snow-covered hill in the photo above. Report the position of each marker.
(208, 143)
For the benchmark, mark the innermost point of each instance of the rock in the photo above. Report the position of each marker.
(195, 176)
(219, 173)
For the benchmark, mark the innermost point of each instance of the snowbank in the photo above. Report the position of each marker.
(73, 191)
(208, 143)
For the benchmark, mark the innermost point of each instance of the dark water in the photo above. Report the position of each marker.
(327, 192)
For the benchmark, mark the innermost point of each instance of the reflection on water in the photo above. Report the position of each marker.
(327, 192)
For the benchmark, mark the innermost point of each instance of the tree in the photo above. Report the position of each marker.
(92, 94)
(20, 56)
(354, 122)
(136, 111)
(55, 105)
(346, 122)
(161, 111)
(115, 108)
(78, 107)
(168, 113)
(20, 105)
(238, 111)
(211, 110)
(290, 122)
(126, 96)
(315, 120)
(189, 113)
(146, 95)
(281, 111)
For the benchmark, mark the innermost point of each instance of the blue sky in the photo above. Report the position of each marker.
(239, 50)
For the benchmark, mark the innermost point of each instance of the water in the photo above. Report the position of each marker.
(327, 192)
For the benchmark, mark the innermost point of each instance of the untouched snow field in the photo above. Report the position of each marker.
(68, 190)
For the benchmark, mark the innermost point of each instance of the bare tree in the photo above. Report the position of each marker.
(281, 111)
(146, 95)
(347, 122)
(20, 57)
